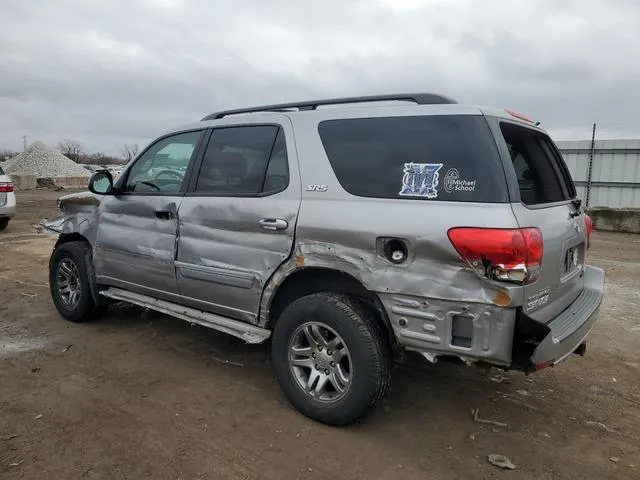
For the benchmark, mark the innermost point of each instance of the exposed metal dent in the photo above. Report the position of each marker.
(247, 332)
(432, 357)
(67, 224)
(79, 211)
(79, 199)
(224, 276)
(412, 283)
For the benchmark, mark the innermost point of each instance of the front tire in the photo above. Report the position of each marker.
(4, 222)
(70, 284)
(331, 358)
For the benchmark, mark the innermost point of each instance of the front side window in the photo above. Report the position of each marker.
(163, 166)
(246, 161)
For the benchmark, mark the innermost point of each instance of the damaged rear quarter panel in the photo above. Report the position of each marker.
(422, 295)
(340, 231)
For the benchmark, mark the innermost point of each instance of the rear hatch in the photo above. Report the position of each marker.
(547, 202)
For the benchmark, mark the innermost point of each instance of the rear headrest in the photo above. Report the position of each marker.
(231, 163)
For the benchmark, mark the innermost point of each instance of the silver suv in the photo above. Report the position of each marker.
(348, 231)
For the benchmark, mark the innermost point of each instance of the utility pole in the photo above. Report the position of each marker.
(24, 143)
(590, 168)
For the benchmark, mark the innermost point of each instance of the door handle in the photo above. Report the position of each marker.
(273, 224)
(163, 214)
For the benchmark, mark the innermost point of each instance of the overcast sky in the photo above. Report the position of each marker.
(109, 72)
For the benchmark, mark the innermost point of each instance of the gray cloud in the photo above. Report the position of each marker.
(109, 72)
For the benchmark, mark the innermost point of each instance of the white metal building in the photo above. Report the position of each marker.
(615, 171)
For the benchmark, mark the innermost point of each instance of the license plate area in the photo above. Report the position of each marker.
(573, 259)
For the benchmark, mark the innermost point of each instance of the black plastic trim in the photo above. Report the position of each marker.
(528, 334)
(418, 98)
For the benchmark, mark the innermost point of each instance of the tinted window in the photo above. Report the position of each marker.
(451, 158)
(1, 171)
(163, 166)
(277, 176)
(244, 161)
(541, 173)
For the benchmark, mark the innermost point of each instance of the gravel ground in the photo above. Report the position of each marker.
(141, 395)
(44, 162)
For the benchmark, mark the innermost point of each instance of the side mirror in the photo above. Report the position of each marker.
(101, 183)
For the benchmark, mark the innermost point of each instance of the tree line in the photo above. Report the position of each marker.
(76, 151)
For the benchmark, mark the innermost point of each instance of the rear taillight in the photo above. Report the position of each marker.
(6, 187)
(509, 255)
(588, 223)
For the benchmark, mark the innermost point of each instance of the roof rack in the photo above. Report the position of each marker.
(418, 98)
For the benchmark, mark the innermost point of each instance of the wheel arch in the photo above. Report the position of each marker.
(306, 281)
(65, 238)
(72, 237)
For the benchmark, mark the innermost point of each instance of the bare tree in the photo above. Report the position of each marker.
(70, 148)
(129, 152)
(7, 154)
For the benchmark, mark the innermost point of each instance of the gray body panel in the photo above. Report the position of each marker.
(570, 328)
(225, 254)
(133, 247)
(225, 257)
(214, 257)
(560, 232)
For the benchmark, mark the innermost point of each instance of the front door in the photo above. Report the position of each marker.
(137, 227)
(238, 219)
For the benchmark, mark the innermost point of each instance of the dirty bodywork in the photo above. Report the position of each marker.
(232, 257)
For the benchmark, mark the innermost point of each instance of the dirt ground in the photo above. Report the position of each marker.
(140, 395)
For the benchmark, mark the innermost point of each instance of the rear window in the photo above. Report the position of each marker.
(542, 174)
(1, 171)
(451, 158)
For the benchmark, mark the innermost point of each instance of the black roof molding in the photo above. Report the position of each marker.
(417, 98)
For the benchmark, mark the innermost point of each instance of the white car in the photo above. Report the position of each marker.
(7, 200)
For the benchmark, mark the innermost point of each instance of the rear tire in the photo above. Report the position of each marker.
(331, 358)
(70, 284)
(3, 223)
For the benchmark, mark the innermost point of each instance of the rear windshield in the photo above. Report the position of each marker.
(542, 174)
(450, 158)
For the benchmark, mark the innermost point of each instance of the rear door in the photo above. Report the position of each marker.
(238, 219)
(547, 201)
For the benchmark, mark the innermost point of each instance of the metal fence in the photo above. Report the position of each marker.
(615, 171)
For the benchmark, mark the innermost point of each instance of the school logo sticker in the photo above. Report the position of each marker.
(420, 180)
(453, 183)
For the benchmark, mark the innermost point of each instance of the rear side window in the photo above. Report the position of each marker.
(245, 161)
(1, 171)
(451, 158)
(542, 175)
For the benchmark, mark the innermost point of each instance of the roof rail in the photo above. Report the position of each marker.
(418, 98)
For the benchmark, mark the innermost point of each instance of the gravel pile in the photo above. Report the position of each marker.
(44, 162)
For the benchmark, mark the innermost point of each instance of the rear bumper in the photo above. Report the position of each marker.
(537, 346)
(8, 209)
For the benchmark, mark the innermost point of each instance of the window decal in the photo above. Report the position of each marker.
(453, 183)
(420, 180)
